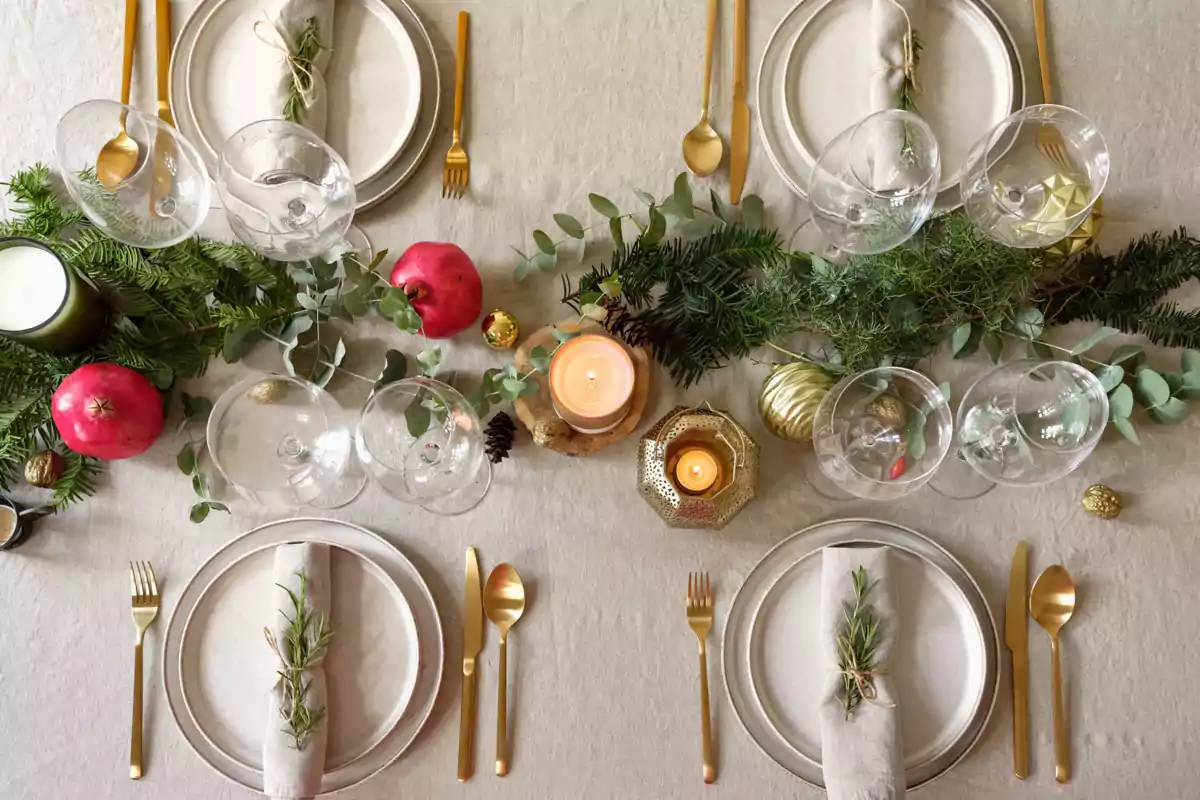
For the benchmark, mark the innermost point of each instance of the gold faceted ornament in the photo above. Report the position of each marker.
(1083, 236)
(889, 410)
(697, 435)
(44, 468)
(789, 399)
(267, 392)
(501, 330)
(1065, 198)
(1101, 501)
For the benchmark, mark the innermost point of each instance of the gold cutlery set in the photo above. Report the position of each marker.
(502, 598)
(702, 145)
(700, 619)
(1051, 603)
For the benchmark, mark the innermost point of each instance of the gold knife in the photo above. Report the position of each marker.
(1016, 638)
(739, 136)
(472, 644)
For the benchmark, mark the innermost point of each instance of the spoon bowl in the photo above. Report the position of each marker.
(703, 149)
(118, 158)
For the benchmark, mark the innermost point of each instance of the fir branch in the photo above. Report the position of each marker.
(299, 80)
(78, 479)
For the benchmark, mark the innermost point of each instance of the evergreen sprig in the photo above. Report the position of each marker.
(306, 638)
(857, 643)
(299, 80)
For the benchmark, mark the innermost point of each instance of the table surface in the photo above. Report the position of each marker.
(567, 97)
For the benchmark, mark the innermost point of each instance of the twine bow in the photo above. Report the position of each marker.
(302, 76)
(864, 679)
(908, 52)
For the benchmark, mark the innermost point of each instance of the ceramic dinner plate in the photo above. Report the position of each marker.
(815, 74)
(945, 669)
(384, 91)
(228, 670)
(384, 668)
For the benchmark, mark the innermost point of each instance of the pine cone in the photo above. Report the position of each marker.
(500, 432)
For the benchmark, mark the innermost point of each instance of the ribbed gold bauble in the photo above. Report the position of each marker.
(44, 468)
(789, 399)
(1083, 236)
(1101, 501)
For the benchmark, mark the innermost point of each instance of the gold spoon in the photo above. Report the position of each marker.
(702, 147)
(119, 157)
(503, 602)
(1051, 603)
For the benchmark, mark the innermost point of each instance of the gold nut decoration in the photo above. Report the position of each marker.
(267, 392)
(889, 410)
(1083, 236)
(501, 330)
(44, 468)
(1101, 501)
(789, 399)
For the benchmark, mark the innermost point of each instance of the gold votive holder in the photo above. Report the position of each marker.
(723, 444)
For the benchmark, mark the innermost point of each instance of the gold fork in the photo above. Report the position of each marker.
(145, 609)
(700, 618)
(457, 172)
(1048, 139)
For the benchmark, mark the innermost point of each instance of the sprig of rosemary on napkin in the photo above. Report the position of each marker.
(300, 83)
(857, 641)
(305, 641)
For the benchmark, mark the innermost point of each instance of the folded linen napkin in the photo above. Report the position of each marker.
(289, 773)
(890, 25)
(861, 757)
(290, 20)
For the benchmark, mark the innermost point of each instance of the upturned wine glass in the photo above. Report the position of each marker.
(282, 441)
(880, 434)
(1033, 179)
(876, 183)
(162, 202)
(421, 441)
(1025, 423)
(287, 194)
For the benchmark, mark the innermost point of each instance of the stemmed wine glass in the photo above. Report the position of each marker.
(1024, 424)
(162, 202)
(1034, 178)
(880, 435)
(287, 193)
(421, 441)
(283, 441)
(876, 183)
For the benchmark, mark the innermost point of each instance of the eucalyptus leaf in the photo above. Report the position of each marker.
(637, 223)
(162, 378)
(393, 302)
(297, 325)
(993, 345)
(589, 298)
(915, 434)
(614, 228)
(199, 512)
(1120, 402)
(522, 270)
(478, 400)
(1110, 376)
(408, 320)
(569, 225)
(324, 270)
(593, 311)
(564, 336)
(546, 262)
(960, 338)
(645, 197)
(944, 388)
(352, 268)
(417, 418)
(307, 301)
(1172, 412)
(1039, 349)
(530, 387)
(1126, 352)
(1151, 389)
(718, 209)
(1126, 429)
(540, 358)
(512, 388)
(656, 230)
(604, 206)
(200, 485)
(1189, 361)
(1191, 386)
(196, 408)
(339, 352)
(1029, 323)
(395, 367)
(683, 192)
(430, 359)
(1174, 382)
(611, 285)
(302, 277)
(354, 304)
(1096, 337)
(214, 506)
(544, 242)
(186, 460)
(753, 215)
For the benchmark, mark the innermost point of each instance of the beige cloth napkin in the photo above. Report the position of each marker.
(288, 773)
(862, 758)
(889, 26)
(291, 17)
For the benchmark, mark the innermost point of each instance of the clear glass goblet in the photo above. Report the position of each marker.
(1024, 424)
(287, 194)
(161, 202)
(421, 441)
(282, 441)
(875, 184)
(881, 434)
(1034, 178)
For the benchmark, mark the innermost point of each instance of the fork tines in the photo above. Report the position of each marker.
(699, 594)
(141, 581)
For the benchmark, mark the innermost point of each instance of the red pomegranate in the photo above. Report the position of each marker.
(443, 285)
(107, 411)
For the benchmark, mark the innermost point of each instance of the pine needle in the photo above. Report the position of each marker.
(857, 643)
(305, 641)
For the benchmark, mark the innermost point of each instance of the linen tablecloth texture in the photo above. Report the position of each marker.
(890, 20)
(861, 757)
(289, 773)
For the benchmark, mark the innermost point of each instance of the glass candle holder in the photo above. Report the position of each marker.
(591, 383)
(44, 304)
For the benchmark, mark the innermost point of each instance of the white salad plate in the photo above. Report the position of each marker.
(944, 671)
(383, 85)
(814, 82)
(383, 668)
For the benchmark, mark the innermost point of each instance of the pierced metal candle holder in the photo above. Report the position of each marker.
(715, 431)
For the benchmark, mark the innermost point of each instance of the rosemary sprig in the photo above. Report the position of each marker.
(305, 640)
(299, 79)
(907, 100)
(857, 642)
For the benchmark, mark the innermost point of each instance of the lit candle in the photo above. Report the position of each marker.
(591, 383)
(44, 304)
(697, 470)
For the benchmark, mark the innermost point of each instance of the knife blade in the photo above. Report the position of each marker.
(739, 135)
(472, 644)
(1016, 638)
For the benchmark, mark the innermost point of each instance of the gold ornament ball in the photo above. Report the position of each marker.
(267, 392)
(1101, 501)
(1083, 236)
(44, 468)
(501, 330)
(889, 410)
(789, 399)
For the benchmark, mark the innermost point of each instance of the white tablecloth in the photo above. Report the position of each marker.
(567, 97)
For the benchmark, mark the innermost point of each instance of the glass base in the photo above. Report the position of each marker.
(958, 480)
(358, 244)
(822, 485)
(345, 491)
(467, 497)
